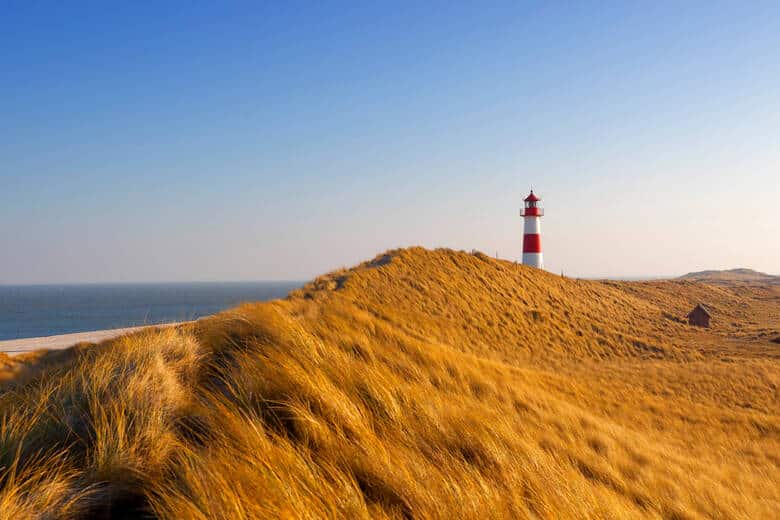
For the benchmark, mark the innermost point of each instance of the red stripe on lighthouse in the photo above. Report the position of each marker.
(532, 243)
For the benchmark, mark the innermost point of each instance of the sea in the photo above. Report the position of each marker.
(29, 311)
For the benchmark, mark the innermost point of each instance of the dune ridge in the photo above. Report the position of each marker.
(732, 275)
(420, 384)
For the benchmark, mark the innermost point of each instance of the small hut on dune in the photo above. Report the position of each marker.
(699, 316)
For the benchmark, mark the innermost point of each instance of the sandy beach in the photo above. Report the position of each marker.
(62, 341)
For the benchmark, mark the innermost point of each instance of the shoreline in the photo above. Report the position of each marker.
(13, 347)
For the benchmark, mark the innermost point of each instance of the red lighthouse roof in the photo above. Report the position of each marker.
(532, 197)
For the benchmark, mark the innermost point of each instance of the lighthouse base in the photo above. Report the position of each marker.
(533, 259)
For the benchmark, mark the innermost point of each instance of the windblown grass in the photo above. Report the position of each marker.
(423, 384)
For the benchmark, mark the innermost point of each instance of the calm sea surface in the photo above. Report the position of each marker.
(45, 310)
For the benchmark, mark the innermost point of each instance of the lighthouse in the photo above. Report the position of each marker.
(532, 232)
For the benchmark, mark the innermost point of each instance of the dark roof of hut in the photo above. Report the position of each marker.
(703, 308)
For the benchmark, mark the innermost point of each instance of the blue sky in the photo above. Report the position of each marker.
(201, 141)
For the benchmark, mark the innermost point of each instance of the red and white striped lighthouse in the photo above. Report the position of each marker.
(532, 231)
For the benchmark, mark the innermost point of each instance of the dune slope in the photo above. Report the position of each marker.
(421, 384)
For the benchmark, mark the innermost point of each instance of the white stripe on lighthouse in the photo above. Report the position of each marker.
(532, 226)
(533, 259)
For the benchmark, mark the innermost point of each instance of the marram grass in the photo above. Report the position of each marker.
(422, 384)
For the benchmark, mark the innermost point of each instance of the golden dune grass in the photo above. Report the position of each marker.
(422, 384)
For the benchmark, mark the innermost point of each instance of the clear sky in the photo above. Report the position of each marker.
(207, 141)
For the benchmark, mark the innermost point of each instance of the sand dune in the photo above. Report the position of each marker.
(421, 384)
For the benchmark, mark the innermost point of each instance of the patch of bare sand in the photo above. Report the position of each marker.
(18, 346)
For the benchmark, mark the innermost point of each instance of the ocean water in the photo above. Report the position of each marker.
(45, 310)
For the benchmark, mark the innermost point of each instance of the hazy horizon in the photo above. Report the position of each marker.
(148, 144)
(638, 277)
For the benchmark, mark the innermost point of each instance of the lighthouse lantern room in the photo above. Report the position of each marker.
(532, 232)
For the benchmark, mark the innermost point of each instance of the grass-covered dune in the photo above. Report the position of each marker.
(422, 384)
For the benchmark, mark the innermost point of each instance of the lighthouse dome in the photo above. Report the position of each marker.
(532, 197)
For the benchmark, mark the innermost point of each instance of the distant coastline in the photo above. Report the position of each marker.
(37, 311)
